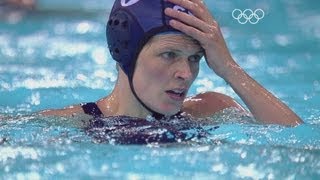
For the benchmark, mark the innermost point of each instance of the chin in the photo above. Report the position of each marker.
(170, 111)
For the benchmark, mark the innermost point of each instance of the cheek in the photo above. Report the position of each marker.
(157, 72)
(150, 76)
(154, 74)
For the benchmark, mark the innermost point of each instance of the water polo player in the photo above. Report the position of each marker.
(158, 45)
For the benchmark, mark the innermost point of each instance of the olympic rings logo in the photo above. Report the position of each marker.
(248, 15)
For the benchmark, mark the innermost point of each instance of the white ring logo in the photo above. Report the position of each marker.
(248, 15)
(126, 3)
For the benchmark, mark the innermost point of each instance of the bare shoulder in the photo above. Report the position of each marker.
(68, 111)
(208, 103)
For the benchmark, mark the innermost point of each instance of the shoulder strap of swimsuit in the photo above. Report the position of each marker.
(92, 109)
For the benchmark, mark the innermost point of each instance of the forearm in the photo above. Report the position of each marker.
(264, 106)
(204, 28)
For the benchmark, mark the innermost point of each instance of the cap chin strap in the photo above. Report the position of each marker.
(155, 114)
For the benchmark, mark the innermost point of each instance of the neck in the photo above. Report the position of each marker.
(125, 102)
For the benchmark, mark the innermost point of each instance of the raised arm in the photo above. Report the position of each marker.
(264, 106)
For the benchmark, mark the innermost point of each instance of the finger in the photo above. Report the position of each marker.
(191, 31)
(197, 7)
(200, 3)
(190, 20)
(189, 5)
(203, 5)
(185, 3)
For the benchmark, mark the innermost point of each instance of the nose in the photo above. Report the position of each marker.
(184, 71)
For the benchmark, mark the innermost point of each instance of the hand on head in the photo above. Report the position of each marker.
(202, 26)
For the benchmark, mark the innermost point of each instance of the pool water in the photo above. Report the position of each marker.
(56, 56)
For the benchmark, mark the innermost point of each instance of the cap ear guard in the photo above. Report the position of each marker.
(118, 26)
(122, 43)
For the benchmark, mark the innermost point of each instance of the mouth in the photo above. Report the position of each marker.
(177, 94)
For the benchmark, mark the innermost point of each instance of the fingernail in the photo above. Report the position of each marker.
(172, 22)
(168, 10)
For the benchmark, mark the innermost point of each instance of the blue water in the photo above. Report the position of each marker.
(56, 56)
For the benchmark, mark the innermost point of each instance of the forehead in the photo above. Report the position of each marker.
(174, 40)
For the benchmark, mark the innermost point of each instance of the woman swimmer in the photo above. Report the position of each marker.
(158, 45)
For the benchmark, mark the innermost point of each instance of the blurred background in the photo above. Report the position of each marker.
(54, 53)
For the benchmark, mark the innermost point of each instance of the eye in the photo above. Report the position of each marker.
(169, 55)
(195, 58)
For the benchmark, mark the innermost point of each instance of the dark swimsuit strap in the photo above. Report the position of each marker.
(92, 109)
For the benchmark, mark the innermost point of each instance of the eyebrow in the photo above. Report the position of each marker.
(202, 51)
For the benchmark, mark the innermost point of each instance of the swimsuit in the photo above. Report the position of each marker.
(133, 130)
(92, 109)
